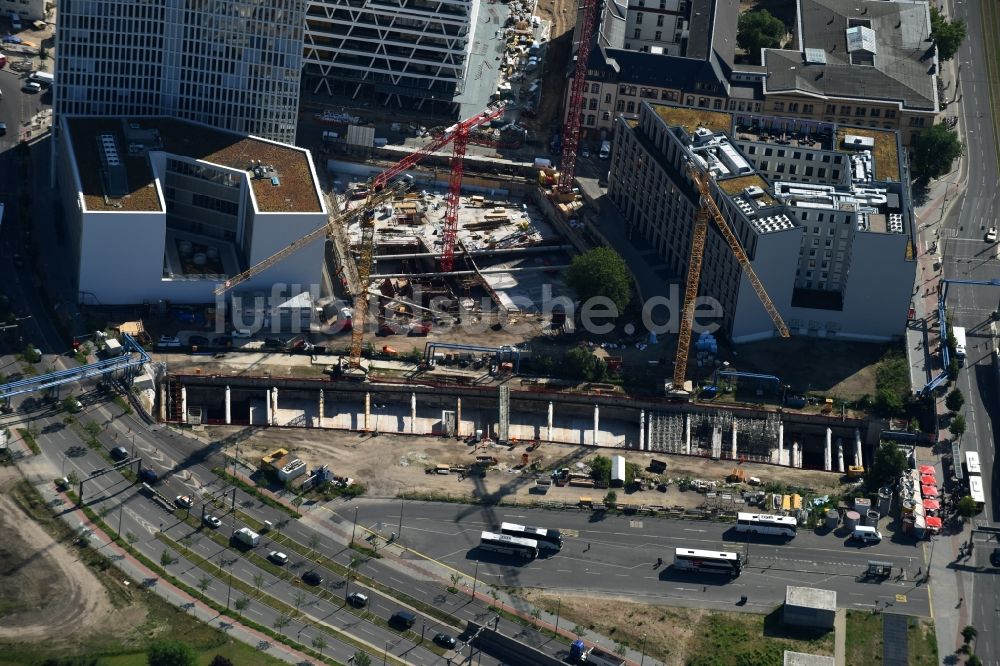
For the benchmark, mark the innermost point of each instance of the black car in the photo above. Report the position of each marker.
(313, 578)
(445, 641)
(995, 557)
(119, 453)
(402, 619)
(273, 343)
(3, 128)
(146, 475)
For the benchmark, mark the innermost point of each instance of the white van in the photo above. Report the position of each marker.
(605, 150)
(866, 534)
(44, 78)
(959, 333)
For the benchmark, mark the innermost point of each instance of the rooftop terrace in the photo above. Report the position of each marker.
(296, 191)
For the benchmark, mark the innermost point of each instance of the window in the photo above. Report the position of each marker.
(860, 111)
(659, 35)
(606, 115)
(890, 113)
(592, 104)
(638, 18)
(831, 108)
(637, 34)
(607, 98)
(620, 106)
(845, 110)
(659, 22)
(591, 119)
(717, 104)
(669, 95)
(876, 113)
(779, 106)
(809, 171)
(793, 107)
(807, 108)
(630, 107)
(595, 88)
(816, 231)
(917, 122)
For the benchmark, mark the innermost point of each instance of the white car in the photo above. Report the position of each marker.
(277, 557)
(32, 87)
(991, 235)
(211, 521)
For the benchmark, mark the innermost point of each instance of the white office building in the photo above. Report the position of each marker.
(828, 227)
(165, 209)
(403, 54)
(231, 64)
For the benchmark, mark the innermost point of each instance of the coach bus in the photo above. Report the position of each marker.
(762, 523)
(972, 463)
(709, 561)
(976, 491)
(509, 545)
(547, 539)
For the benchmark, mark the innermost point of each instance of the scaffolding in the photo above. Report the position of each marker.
(503, 429)
(711, 434)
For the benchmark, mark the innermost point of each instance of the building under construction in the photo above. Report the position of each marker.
(822, 211)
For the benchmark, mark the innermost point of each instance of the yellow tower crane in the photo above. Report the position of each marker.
(707, 207)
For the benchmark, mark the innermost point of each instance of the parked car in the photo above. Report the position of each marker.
(31, 87)
(184, 501)
(146, 475)
(445, 641)
(991, 235)
(357, 599)
(277, 557)
(119, 453)
(402, 619)
(212, 521)
(995, 557)
(312, 578)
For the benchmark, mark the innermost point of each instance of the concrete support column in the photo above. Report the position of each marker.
(413, 413)
(163, 402)
(184, 404)
(796, 461)
(268, 409)
(857, 448)
(548, 435)
(458, 417)
(781, 444)
(368, 412)
(642, 429)
(828, 451)
(322, 409)
(734, 441)
(229, 407)
(687, 434)
(597, 422)
(274, 406)
(840, 455)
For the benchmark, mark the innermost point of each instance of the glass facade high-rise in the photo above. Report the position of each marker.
(232, 64)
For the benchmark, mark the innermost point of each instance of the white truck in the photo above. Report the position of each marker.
(959, 334)
(247, 537)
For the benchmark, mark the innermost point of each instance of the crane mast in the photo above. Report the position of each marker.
(706, 208)
(574, 109)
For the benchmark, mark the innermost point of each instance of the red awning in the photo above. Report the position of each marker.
(928, 491)
(928, 480)
(933, 522)
(932, 504)
(926, 469)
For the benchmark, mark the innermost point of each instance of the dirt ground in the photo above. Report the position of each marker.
(47, 594)
(390, 464)
(562, 16)
(674, 635)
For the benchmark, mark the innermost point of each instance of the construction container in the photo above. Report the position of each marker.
(884, 500)
(852, 519)
(871, 518)
(832, 519)
(862, 504)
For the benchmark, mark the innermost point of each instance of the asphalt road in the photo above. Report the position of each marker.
(967, 256)
(617, 555)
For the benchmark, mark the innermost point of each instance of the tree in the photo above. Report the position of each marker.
(934, 150)
(611, 498)
(314, 541)
(600, 469)
(966, 507)
(241, 605)
(969, 632)
(955, 400)
(319, 643)
(579, 630)
(219, 660)
(759, 30)
(601, 272)
(204, 583)
(281, 622)
(947, 35)
(957, 426)
(166, 558)
(299, 598)
(889, 464)
(456, 578)
(258, 582)
(973, 660)
(621, 649)
(361, 659)
(168, 652)
(580, 363)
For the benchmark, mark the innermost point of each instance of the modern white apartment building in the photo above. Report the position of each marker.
(232, 64)
(826, 219)
(165, 209)
(394, 53)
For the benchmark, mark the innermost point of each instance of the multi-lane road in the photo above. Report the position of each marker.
(966, 256)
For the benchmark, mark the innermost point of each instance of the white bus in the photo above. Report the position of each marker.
(959, 334)
(709, 561)
(972, 463)
(976, 490)
(547, 539)
(508, 545)
(762, 523)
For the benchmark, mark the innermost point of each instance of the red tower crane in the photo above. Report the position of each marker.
(574, 110)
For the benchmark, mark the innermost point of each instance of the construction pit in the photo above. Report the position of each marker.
(508, 267)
